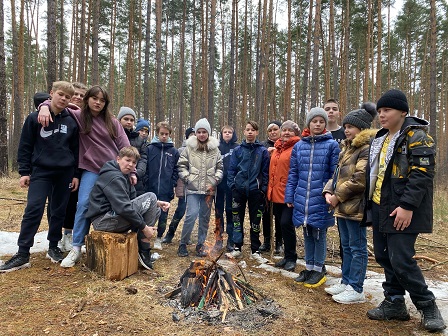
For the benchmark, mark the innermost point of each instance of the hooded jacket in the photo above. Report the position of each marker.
(279, 168)
(249, 167)
(201, 171)
(226, 149)
(351, 176)
(162, 168)
(408, 179)
(138, 142)
(52, 147)
(313, 161)
(113, 192)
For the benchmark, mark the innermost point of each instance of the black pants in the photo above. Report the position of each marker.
(283, 215)
(394, 252)
(223, 201)
(44, 182)
(255, 201)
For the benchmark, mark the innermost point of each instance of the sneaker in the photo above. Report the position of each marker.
(290, 266)
(144, 257)
(278, 249)
(158, 244)
(349, 296)
(258, 258)
(201, 251)
(229, 247)
(235, 254)
(336, 289)
(389, 310)
(67, 242)
(17, 261)
(281, 263)
(303, 276)
(182, 251)
(432, 320)
(55, 254)
(61, 245)
(315, 279)
(265, 247)
(168, 238)
(71, 259)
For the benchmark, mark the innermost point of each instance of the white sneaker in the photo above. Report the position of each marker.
(336, 289)
(67, 242)
(71, 259)
(258, 258)
(61, 245)
(349, 296)
(234, 254)
(158, 244)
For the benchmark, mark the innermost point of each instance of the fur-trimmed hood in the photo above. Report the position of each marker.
(212, 142)
(362, 138)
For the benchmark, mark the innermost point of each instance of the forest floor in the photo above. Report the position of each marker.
(49, 300)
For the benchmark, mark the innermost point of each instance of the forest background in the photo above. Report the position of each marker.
(227, 60)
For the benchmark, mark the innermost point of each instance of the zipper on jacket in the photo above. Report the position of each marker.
(307, 199)
(160, 170)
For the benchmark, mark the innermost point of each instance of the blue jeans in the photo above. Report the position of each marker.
(315, 247)
(197, 205)
(354, 249)
(82, 224)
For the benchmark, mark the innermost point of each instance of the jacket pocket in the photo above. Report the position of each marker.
(397, 191)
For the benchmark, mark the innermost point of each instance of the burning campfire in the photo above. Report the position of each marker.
(206, 284)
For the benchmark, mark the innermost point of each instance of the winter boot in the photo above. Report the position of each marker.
(389, 310)
(431, 318)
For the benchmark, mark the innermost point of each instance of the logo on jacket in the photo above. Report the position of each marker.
(46, 134)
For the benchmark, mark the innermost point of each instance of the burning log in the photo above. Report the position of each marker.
(206, 284)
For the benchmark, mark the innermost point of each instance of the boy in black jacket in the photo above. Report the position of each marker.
(48, 158)
(114, 207)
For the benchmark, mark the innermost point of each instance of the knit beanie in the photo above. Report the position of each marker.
(188, 131)
(272, 123)
(291, 125)
(394, 99)
(39, 98)
(361, 118)
(125, 111)
(142, 124)
(316, 112)
(203, 123)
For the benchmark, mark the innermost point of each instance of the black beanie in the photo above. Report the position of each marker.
(361, 118)
(39, 98)
(394, 99)
(188, 131)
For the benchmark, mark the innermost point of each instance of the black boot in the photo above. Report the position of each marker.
(168, 237)
(389, 310)
(265, 247)
(431, 318)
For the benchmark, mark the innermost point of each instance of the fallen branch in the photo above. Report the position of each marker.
(422, 257)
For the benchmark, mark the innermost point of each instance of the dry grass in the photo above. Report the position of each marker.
(46, 299)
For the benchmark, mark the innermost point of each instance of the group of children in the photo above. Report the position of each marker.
(382, 178)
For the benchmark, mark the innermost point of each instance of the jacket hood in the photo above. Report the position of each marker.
(232, 141)
(110, 167)
(306, 136)
(362, 138)
(212, 142)
(157, 140)
(280, 145)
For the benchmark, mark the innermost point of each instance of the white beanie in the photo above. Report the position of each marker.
(203, 123)
(316, 112)
(125, 111)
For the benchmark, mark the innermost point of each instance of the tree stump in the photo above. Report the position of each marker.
(113, 255)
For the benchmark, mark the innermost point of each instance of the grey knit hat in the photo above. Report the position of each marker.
(316, 112)
(125, 111)
(361, 118)
(291, 125)
(203, 123)
(394, 99)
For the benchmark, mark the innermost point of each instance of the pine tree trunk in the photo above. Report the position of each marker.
(82, 43)
(4, 163)
(129, 93)
(315, 73)
(51, 43)
(159, 78)
(433, 73)
(211, 65)
(146, 84)
(306, 67)
(95, 79)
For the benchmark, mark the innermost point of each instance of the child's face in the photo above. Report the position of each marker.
(202, 134)
(77, 98)
(250, 133)
(227, 134)
(96, 103)
(317, 125)
(127, 164)
(287, 133)
(390, 118)
(351, 131)
(59, 100)
(143, 133)
(274, 133)
(333, 113)
(164, 134)
(127, 122)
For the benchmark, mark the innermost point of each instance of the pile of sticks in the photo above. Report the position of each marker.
(206, 284)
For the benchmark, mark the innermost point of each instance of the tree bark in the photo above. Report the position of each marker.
(159, 86)
(51, 43)
(4, 162)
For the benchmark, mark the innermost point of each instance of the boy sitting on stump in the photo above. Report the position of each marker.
(113, 206)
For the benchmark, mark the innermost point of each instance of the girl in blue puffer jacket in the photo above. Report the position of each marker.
(313, 161)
